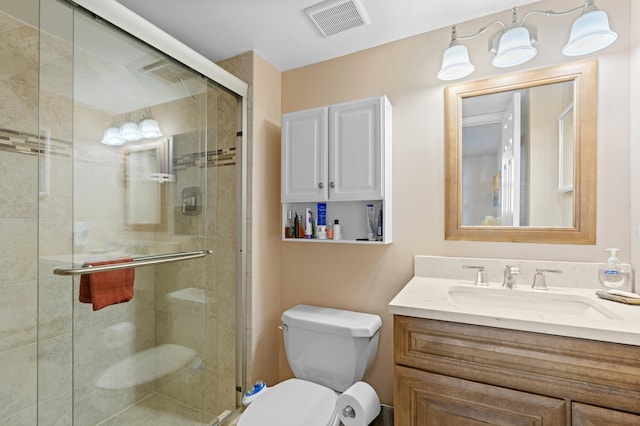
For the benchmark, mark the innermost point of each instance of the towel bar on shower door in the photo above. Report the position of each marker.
(137, 263)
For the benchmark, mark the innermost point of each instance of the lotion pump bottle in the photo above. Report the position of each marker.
(614, 274)
(337, 233)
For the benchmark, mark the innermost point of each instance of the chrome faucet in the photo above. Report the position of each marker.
(481, 277)
(509, 276)
(539, 281)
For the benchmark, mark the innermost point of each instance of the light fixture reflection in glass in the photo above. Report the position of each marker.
(589, 33)
(112, 137)
(130, 132)
(514, 49)
(150, 128)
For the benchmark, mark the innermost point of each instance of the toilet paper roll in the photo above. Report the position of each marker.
(118, 335)
(359, 405)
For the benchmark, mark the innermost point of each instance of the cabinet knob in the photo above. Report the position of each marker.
(320, 185)
(332, 185)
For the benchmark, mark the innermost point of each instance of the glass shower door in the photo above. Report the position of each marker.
(147, 167)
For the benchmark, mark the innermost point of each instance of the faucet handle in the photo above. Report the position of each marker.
(481, 277)
(539, 280)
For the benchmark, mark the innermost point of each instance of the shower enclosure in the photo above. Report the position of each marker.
(112, 150)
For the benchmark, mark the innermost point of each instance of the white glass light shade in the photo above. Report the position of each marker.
(514, 49)
(112, 137)
(150, 128)
(589, 33)
(455, 63)
(129, 131)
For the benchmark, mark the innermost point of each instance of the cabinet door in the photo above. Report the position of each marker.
(356, 135)
(587, 415)
(423, 399)
(304, 155)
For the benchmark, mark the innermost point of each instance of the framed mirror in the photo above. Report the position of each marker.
(521, 157)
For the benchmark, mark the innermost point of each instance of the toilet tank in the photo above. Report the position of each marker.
(330, 347)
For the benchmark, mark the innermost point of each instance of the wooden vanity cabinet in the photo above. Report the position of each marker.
(460, 374)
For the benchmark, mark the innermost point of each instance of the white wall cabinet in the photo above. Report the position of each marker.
(339, 154)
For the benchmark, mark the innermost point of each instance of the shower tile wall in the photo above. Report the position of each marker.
(18, 225)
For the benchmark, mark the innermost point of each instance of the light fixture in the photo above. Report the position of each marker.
(589, 33)
(514, 47)
(455, 61)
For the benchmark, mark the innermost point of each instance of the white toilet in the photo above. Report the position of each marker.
(328, 351)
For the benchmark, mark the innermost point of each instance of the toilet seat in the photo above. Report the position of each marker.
(293, 402)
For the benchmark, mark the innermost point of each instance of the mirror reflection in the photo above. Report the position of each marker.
(512, 158)
(148, 166)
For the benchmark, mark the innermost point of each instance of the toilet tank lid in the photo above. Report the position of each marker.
(333, 321)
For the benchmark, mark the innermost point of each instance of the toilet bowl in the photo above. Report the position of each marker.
(293, 402)
(328, 351)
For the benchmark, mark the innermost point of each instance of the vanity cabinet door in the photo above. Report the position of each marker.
(588, 415)
(304, 155)
(423, 399)
(356, 143)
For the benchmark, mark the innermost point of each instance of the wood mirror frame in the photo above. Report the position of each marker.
(584, 75)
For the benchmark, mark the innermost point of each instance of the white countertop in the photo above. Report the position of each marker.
(585, 316)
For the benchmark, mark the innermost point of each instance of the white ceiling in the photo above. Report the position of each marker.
(281, 32)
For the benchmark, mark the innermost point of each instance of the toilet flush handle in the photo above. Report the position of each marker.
(283, 327)
(348, 411)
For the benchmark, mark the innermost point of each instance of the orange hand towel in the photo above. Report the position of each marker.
(109, 287)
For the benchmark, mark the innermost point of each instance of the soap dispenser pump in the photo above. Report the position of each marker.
(614, 274)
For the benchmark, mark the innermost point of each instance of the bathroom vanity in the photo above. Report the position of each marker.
(557, 357)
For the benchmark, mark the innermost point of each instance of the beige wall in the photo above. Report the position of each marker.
(265, 216)
(366, 278)
(634, 147)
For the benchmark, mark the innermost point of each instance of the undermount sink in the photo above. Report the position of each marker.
(562, 311)
(519, 300)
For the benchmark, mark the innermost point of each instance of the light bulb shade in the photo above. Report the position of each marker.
(150, 128)
(455, 63)
(112, 137)
(589, 33)
(129, 132)
(514, 49)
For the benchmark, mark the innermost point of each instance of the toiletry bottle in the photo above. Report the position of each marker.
(288, 228)
(296, 227)
(371, 223)
(300, 226)
(322, 214)
(337, 234)
(308, 227)
(379, 228)
(330, 232)
(614, 274)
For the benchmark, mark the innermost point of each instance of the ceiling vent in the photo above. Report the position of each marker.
(335, 16)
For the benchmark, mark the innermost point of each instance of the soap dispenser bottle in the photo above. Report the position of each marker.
(614, 274)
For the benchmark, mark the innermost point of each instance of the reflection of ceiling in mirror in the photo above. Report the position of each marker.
(481, 123)
(486, 104)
